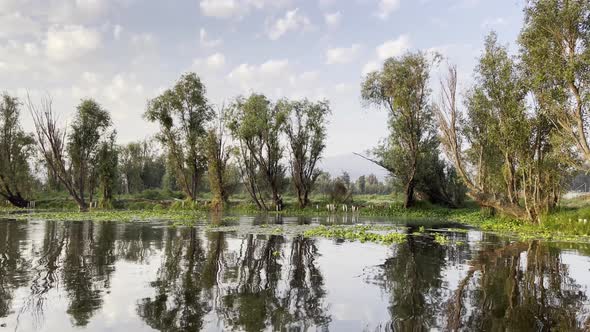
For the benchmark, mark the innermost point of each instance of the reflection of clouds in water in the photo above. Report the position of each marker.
(579, 270)
(350, 296)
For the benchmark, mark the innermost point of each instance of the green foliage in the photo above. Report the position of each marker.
(401, 86)
(437, 181)
(440, 239)
(378, 234)
(16, 149)
(305, 129)
(361, 184)
(217, 162)
(514, 161)
(141, 167)
(158, 194)
(182, 113)
(90, 124)
(256, 124)
(339, 192)
(522, 160)
(108, 167)
(555, 50)
(88, 133)
(116, 215)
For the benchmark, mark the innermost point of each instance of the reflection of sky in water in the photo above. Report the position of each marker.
(360, 286)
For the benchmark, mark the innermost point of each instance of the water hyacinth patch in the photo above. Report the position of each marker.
(364, 233)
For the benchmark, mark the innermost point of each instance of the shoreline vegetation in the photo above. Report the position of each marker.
(568, 224)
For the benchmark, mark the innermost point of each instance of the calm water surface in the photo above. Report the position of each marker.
(107, 276)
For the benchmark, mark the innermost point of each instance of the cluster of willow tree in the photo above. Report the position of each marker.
(523, 126)
(195, 138)
(84, 160)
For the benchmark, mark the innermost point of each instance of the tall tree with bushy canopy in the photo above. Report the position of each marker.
(73, 157)
(182, 112)
(306, 136)
(401, 86)
(16, 149)
(555, 51)
(218, 155)
(504, 148)
(256, 124)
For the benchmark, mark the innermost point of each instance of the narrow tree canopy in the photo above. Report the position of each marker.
(305, 129)
(16, 150)
(256, 124)
(182, 113)
(401, 86)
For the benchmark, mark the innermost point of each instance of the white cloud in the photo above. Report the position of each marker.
(10, 5)
(90, 77)
(394, 47)
(260, 4)
(16, 25)
(222, 8)
(386, 7)
(206, 42)
(333, 19)
(492, 22)
(74, 11)
(274, 67)
(17, 57)
(12, 67)
(236, 8)
(143, 40)
(31, 49)
(276, 79)
(259, 78)
(327, 3)
(91, 6)
(216, 61)
(292, 21)
(70, 41)
(370, 66)
(121, 86)
(213, 62)
(342, 55)
(343, 88)
(117, 31)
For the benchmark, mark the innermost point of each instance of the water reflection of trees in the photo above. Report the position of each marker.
(259, 281)
(519, 287)
(508, 286)
(267, 281)
(13, 266)
(179, 303)
(78, 256)
(264, 282)
(413, 278)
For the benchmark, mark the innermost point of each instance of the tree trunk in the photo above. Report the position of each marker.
(409, 193)
(127, 184)
(82, 206)
(302, 196)
(276, 198)
(194, 182)
(17, 201)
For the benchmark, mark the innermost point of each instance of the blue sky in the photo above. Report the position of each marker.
(123, 52)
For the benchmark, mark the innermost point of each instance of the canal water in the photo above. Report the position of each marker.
(115, 276)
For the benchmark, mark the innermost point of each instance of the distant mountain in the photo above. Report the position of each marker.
(353, 164)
